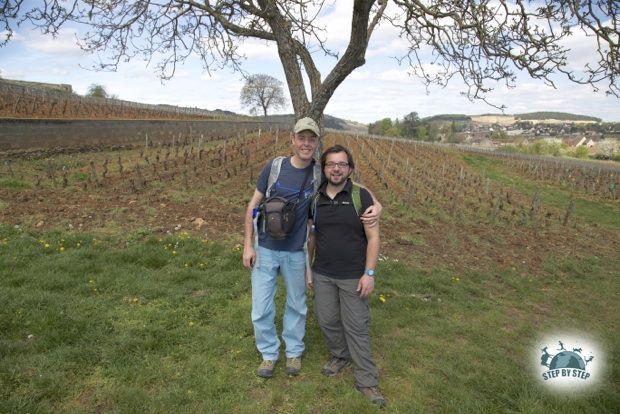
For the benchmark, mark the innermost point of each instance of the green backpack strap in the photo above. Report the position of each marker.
(355, 196)
(357, 199)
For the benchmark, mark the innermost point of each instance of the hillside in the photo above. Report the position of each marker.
(330, 122)
(21, 99)
(534, 117)
(561, 116)
(49, 101)
(447, 118)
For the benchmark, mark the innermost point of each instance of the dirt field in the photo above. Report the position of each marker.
(439, 211)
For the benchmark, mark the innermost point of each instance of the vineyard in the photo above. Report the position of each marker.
(596, 178)
(438, 208)
(124, 283)
(23, 101)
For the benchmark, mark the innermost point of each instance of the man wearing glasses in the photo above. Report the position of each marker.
(343, 271)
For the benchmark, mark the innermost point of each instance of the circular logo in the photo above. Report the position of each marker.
(568, 362)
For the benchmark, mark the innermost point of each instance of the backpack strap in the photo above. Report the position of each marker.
(313, 203)
(274, 172)
(317, 175)
(355, 196)
(357, 199)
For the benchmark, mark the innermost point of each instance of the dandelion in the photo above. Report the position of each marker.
(191, 323)
(61, 249)
(47, 246)
(186, 265)
(382, 298)
(174, 252)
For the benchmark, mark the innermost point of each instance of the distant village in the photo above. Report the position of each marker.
(542, 133)
(597, 137)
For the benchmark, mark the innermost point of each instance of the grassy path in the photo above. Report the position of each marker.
(141, 324)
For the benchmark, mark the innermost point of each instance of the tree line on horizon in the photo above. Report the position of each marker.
(435, 128)
(445, 127)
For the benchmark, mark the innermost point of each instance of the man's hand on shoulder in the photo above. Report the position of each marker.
(372, 214)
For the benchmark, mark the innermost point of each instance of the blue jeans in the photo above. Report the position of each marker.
(292, 266)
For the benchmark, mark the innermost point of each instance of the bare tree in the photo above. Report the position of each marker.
(97, 91)
(262, 92)
(482, 42)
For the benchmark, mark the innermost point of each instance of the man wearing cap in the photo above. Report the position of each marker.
(266, 256)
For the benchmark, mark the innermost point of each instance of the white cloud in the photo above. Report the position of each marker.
(63, 44)
(258, 49)
(377, 90)
(395, 75)
(213, 77)
(4, 35)
(583, 50)
(359, 74)
(336, 19)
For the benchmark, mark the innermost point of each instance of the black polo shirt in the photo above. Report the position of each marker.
(339, 234)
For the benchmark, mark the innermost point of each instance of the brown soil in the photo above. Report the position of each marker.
(170, 203)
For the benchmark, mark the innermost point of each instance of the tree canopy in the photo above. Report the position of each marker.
(97, 91)
(262, 92)
(482, 42)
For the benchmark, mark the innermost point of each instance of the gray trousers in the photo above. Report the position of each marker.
(344, 318)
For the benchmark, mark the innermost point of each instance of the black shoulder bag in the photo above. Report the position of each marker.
(279, 213)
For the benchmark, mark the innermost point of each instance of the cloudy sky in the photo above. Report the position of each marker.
(379, 89)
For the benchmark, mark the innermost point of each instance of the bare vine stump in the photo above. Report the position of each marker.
(569, 212)
(93, 174)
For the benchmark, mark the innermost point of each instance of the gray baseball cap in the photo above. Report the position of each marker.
(307, 124)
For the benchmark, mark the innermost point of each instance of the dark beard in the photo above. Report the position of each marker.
(344, 179)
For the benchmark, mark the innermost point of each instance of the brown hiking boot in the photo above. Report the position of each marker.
(266, 368)
(334, 365)
(372, 395)
(293, 366)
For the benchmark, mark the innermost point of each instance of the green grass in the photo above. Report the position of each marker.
(14, 183)
(143, 324)
(597, 212)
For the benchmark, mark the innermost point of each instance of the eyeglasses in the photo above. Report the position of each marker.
(339, 164)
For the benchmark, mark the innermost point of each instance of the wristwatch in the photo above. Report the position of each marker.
(370, 272)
